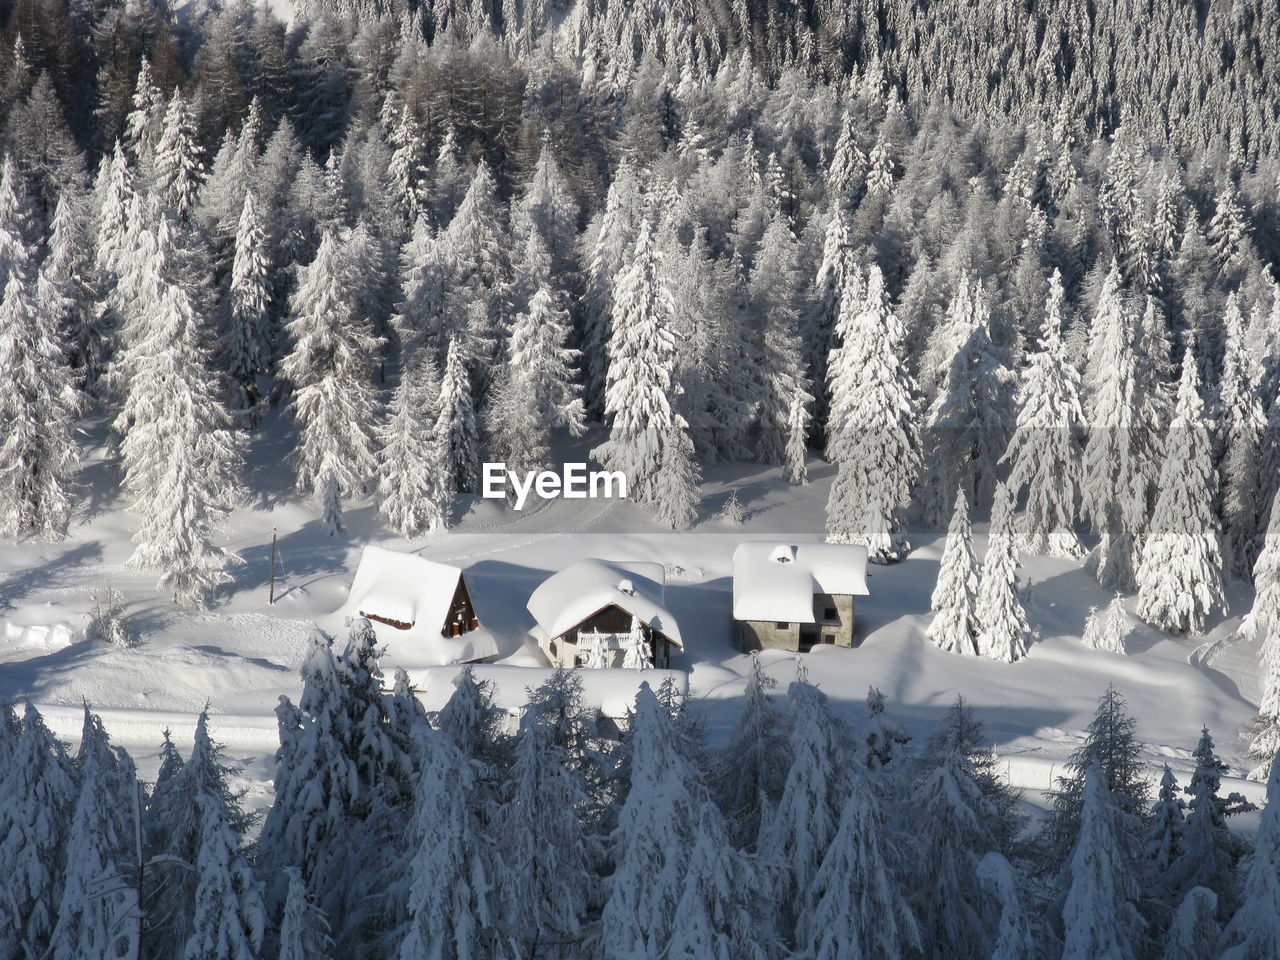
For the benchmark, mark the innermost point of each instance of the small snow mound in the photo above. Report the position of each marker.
(24, 642)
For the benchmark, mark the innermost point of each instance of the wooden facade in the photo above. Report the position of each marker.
(609, 620)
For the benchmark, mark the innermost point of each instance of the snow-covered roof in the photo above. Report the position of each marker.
(777, 581)
(581, 589)
(611, 691)
(413, 590)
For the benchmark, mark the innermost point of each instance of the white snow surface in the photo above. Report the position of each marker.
(240, 656)
(410, 589)
(586, 587)
(777, 581)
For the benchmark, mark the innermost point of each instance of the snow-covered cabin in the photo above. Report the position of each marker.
(420, 610)
(793, 596)
(610, 694)
(584, 613)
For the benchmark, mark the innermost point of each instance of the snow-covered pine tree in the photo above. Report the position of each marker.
(718, 910)
(1111, 745)
(1162, 840)
(653, 843)
(1263, 621)
(178, 170)
(1099, 913)
(1254, 931)
(98, 900)
(955, 625)
(606, 261)
(637, 653)
(304, 931)
(549, 209)
(642, 392)
(420, 320)
(182, 460)
(856, 906)
(66, 288)
(1108, 631)
(329, 368)
(547, 881)
(37, 798)
(732, 512)
(1210, 851)
(970, 420)
(797, 830)
(39, 407)
(951, 816)
(1195, 931)
(455, 427)
(247, 335)
(1002, 621)
(537, 392)
(1240, 431)
(1044, 451)
(473, 721)
(413, 496)
(838, 291)
(1114, 495)
(883, 741)
(754, 765)
(1180, 567)
(1014, 937)
(871, 430)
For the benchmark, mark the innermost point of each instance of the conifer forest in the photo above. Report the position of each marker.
(987, 295)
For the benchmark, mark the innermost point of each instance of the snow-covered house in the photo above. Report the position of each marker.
(585, 614)
(420, 610)
(793, 596)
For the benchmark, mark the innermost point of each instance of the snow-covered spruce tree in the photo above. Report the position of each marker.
(1114, 495)
(412, 494)
(1241, 425)
(754, 765)
(455, 427)
(653, 842)
(1111, 745)
(637, 652)
(1002, 621)
(182, 460)
(97, 898)
(951, 816)
(546, 884)
(970, 420)
(773, 289)
(247, 334)
(884, 751)
(178, 171)
(797, 829)
(549, 209)
(39, 407)
(66, 288)
(856, 907)
(606, 260)
(1162, 840)
(304, 931)
(537, 392)
(473, 721)
(1210, 851)
(1044, 451)
(1263, 621)
(871, 430)
(1195, 930)
(37, 797)
(420, 320)
(646, 434)
(1254, 931)
(1180, 568)
(329, 369)
(1108, 630)
(955, 625)
(1014, 938)
(1099, 913)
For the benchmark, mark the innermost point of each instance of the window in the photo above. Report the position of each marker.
(829, 614)
(782, 626)
(828, 638)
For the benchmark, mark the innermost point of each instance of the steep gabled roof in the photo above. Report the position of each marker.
(777, 581)
(584, 588)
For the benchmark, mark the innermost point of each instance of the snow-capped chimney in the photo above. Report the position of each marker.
(627, 587)
(783, 553)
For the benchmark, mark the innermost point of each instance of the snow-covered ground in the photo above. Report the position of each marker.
(244, 653)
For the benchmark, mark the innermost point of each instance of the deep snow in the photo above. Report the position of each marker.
(240, 656)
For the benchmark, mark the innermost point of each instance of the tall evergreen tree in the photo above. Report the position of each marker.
(1254, 931)
(955, 625)
(1003, 629)
(455, 427)
(413, 496)
(247, 336)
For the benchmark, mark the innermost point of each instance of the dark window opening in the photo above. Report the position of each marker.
(782, 626)
(829, 613)
(828, 638)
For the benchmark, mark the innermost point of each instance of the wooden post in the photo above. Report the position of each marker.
(271, 596)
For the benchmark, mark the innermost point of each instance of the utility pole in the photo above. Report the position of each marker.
(271, 596)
